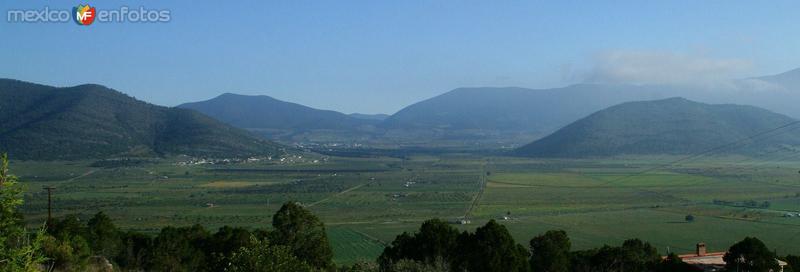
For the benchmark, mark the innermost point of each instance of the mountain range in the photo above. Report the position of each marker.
(670, 126)
(38, 121)
(494, 116)
(92, 121)
(285, 121)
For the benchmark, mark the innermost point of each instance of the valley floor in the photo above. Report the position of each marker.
(365, 203)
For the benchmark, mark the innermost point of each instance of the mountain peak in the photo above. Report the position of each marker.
(667, 126)
(261, 112)
(94, 121)
(789, 80)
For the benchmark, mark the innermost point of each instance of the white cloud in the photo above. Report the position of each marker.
(656, 67)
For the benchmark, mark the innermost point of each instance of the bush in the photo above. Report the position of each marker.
(262, 256)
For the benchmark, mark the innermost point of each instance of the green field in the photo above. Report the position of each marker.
(366, 202)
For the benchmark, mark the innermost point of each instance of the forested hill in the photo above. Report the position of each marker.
(668, 126)
(93, 121)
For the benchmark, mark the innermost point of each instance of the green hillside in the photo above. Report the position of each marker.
(92, 121)
(669, 126)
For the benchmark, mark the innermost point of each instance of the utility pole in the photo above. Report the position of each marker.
(49, 202)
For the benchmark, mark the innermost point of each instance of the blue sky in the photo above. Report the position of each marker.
(378, 56)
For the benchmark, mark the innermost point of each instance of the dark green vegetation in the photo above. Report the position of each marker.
(157, 198)
(491, 248)
(751, 254)
(366, 202)
(17, 251)
(298, 239)
(70, 243)
(670, 126)
(92, 121)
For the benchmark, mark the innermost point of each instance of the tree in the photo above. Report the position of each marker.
(406, 265)
(69, 226)
(362, 266)
(435, 240)
(135, 251)
(401, 248)
(583, 260)
(550, 252)
(638, 255)
(223, 243)
(689, 218)
(634, 255)
(11, 229)
(792, 263)
(491, 248)
(103, 236)
(301, 231)
(179, 249)
(70, 253)
(752, 255)
(263, 256)
(17, 251)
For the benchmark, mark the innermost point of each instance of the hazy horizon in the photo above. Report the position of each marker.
(370, 57)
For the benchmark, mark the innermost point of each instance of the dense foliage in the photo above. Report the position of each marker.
(750, 254)
(300, 243)
(18, 251)
(550, 252)
(303, 233)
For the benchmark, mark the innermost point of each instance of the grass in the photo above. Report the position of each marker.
(366, 202)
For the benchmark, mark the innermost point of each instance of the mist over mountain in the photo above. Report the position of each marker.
(668, 126)
(789, 80)
(537, 112)
(529, 111)
(93, 121)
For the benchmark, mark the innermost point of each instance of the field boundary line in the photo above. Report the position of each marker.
(340, 193)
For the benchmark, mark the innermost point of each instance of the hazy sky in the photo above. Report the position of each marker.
(378, 56)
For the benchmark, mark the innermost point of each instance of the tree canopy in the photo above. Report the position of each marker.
(304, 234)
(752, 255)
(550, 252)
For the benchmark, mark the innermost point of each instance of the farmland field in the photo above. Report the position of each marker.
(366, 202)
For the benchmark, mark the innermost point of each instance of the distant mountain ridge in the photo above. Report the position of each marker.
(514, 109)
(668, 126)
(483, 118)
(285, 121)
(789, 79)
(92, 121)
(261, 111)
(527, 114)
(375, 117)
